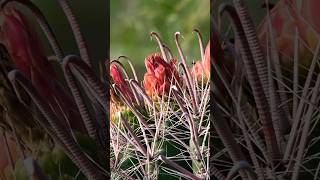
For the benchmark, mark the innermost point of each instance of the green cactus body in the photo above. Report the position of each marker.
(197, 164)
(169, 148)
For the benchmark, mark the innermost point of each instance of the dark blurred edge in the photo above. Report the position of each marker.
(107, 71)
(212, 3)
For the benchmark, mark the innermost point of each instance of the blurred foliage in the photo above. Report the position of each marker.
(132, 22)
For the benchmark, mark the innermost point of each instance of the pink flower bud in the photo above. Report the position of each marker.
(286, 17)
(207, 58)
(201, 69)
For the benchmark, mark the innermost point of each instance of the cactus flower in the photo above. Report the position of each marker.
(160, 75)
(24, 45)
(27, 55)
(286, 17)
(120, 82)
(201, 69)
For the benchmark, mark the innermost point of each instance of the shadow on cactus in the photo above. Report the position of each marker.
(265, 111)
(160, 127)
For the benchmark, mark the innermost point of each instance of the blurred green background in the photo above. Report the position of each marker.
(132, 22)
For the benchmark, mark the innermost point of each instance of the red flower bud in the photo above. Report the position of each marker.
(26, 52)
(160, 75)
(23, 45)
(120, 82)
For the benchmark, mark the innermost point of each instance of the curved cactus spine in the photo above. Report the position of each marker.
(84, 74)
(305, 129)
(183, 171)
(160, 44)
(82, 45)
(83, 109)
(225, 133)
(254, 43)
(253, 78)
(93, 82)
(64, 135)
(190, 82)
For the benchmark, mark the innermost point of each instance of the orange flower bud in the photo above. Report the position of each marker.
(160, 75)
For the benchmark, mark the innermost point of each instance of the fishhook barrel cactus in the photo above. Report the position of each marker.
(162, 131)
(268, 128)
(159, 127)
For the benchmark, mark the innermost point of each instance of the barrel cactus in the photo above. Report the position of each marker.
(160, 127)
(265, 111)
(52, 129)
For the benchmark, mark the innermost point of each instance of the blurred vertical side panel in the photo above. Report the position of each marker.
(54, 89)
